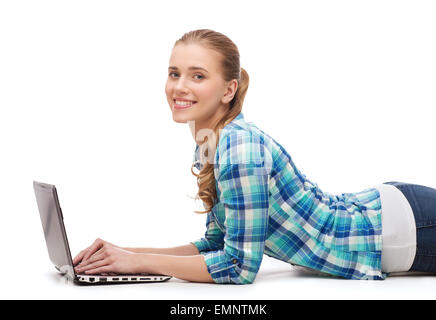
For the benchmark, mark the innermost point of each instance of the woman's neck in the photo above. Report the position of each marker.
(201, 130)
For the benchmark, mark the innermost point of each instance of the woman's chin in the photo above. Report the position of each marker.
(180, 118)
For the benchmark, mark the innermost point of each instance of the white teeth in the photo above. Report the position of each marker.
(183, 103)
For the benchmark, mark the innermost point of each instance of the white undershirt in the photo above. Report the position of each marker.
(398, 230)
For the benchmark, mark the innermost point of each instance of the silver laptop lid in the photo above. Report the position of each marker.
(54, 229)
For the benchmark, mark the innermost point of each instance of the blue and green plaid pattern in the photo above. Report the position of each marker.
(265, 205)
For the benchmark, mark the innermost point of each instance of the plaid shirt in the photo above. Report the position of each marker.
(265, 205)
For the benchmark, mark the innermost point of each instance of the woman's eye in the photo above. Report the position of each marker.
(196, 76)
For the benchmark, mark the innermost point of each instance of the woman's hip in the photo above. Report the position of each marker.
(422, 200)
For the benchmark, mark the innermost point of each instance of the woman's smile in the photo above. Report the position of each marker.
(183, 104)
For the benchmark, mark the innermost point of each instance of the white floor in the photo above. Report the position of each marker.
(275, 280)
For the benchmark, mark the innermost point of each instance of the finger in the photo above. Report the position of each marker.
(95, 257)
(94, 265)
(96, 252)
(99, 255)
(100, 270)
(93, 248)
(78, 258)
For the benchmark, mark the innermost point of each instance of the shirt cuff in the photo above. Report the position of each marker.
(202, 245)
(223, 269)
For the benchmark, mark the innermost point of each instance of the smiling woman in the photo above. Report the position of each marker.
(205, 87)
(205, 69)
(258, 202)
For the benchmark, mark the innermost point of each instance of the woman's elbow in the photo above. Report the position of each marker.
(242, 278)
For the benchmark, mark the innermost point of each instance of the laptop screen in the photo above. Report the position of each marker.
(53, 226)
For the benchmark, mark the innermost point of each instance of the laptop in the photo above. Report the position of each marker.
(59, 250)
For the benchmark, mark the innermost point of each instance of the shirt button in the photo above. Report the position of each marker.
(234, 261)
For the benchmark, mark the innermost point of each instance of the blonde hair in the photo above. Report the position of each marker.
(230, 66)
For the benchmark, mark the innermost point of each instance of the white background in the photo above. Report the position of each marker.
(347, 87)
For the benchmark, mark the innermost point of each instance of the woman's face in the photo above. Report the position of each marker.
(195, 88)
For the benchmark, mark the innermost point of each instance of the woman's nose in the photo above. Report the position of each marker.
(181, 85)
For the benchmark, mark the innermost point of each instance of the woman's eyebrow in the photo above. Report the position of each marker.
(190, 68)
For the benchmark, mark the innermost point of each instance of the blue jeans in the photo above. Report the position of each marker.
(422, 199)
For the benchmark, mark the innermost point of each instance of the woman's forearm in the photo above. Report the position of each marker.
(185, 250)
(190, 268)
(184, 263)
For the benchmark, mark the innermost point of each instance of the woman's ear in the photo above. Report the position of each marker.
(230, 92)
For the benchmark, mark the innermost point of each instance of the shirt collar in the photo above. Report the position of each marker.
(238, 121)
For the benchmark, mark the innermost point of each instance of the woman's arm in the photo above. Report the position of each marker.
(190, 268)
(184, 250)
(109, 258)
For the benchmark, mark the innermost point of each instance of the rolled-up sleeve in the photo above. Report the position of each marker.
(244, 194)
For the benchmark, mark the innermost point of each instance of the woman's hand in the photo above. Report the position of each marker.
(86, 253)
(104, 257)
